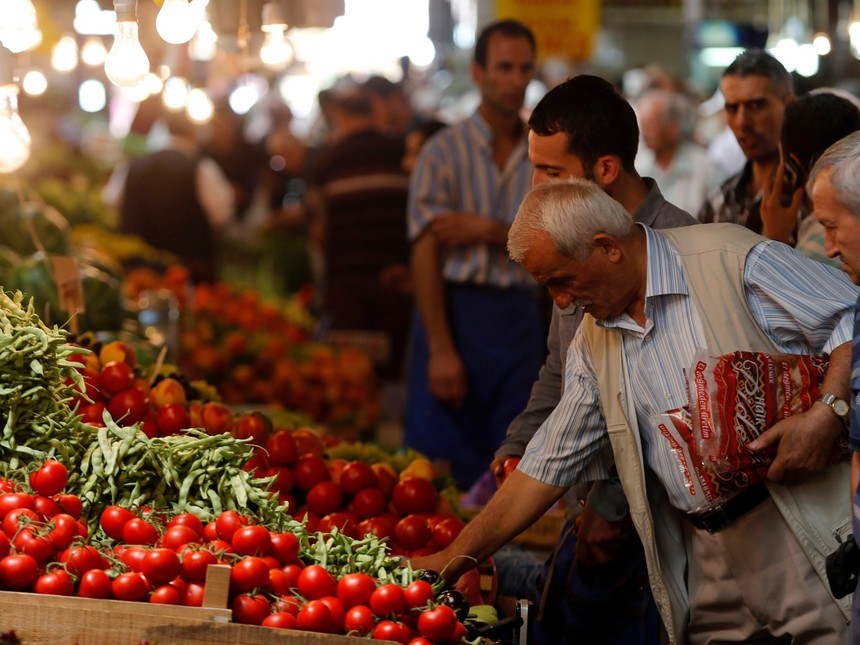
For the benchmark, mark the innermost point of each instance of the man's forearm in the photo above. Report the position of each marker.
(430, 292)
(838, 378)
(519, 502)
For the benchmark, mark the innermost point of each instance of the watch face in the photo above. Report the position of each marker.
(840, 407)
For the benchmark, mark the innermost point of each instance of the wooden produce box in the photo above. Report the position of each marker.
(39, 619)
(543, 534)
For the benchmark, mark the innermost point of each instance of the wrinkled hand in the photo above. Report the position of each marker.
(461, 229)
(450, 567)
(778, 221)
(598, 541)
(447, 377)
(804, 443)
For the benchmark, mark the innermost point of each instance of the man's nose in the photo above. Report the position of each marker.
(561, 298)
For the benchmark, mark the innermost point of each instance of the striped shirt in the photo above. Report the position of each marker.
(456, 172)
(805, 307)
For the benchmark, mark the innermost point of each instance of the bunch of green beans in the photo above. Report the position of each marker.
(191, 472)
(341, 554)
(37, 376)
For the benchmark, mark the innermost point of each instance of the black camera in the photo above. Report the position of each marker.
(842, 568)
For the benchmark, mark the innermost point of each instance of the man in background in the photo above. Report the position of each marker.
(477, 342)
(682, 168)
(178, 200)
(756, 88)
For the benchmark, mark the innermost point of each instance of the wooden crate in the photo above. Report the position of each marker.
(38, 619)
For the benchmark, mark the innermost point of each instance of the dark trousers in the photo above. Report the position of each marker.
(612, 606)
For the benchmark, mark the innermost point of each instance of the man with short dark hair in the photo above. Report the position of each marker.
(584, 128)
(756, 88)
(477, 341)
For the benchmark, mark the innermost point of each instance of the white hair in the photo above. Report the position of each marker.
(571, 212)
(842, 159)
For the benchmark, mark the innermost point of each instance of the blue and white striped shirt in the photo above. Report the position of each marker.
(804, 306)
(456, 172)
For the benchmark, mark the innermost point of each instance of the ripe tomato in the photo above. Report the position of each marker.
(309, 471)
(357, 475)
(368, 502)
(389, 630)
(419, 640)
(160, 566)
(255, 426)
(293, 571)
(45, 507)
(187, 519)
(227, 523)
(17, 519)
(252, 540)
(129, 586)
(193, 595)
(18, 572)
(171, 419)
(358, 621)
(194, 564)
(50, 479)
(95, 583)
(80, 559)
(324, 498)
(113, 519)
(279, 582)
(93, 413)
(285, 547)
(419, 593)
(388, 599)
(250, 609)
(70, 504)
(289, 604)
(11, 501)
(116, 376)
(343, 521)
(56, 583)
(284, 478)
(355, 589)
(414, 495)
(314, 582)
(280, 620)
(29, 542)
(438, 624)
(336, 611)
(65, 529)
(128, 406)
(5, 545)
(166, 595)
(178, 535)
(314, 616)
(133, 556)
(139, 531)
(445, 531)
(412, 532)
(282, 449)
(248, 573)
(381, 527)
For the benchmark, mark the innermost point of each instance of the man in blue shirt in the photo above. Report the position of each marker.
(478, 338)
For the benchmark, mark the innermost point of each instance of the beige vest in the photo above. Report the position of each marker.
(714, 256)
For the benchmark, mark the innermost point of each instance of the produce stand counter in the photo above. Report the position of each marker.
(38, 619)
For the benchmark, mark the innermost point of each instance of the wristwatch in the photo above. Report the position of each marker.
(839, 406)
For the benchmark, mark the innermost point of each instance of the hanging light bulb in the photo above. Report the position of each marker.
(204, 45)
(19, 30)
(94, 53)
(177, 20)
(276, 51)
(64, 55)
(14, 136)
(126, 65)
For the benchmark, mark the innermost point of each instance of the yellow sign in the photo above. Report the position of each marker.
(562, 28)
